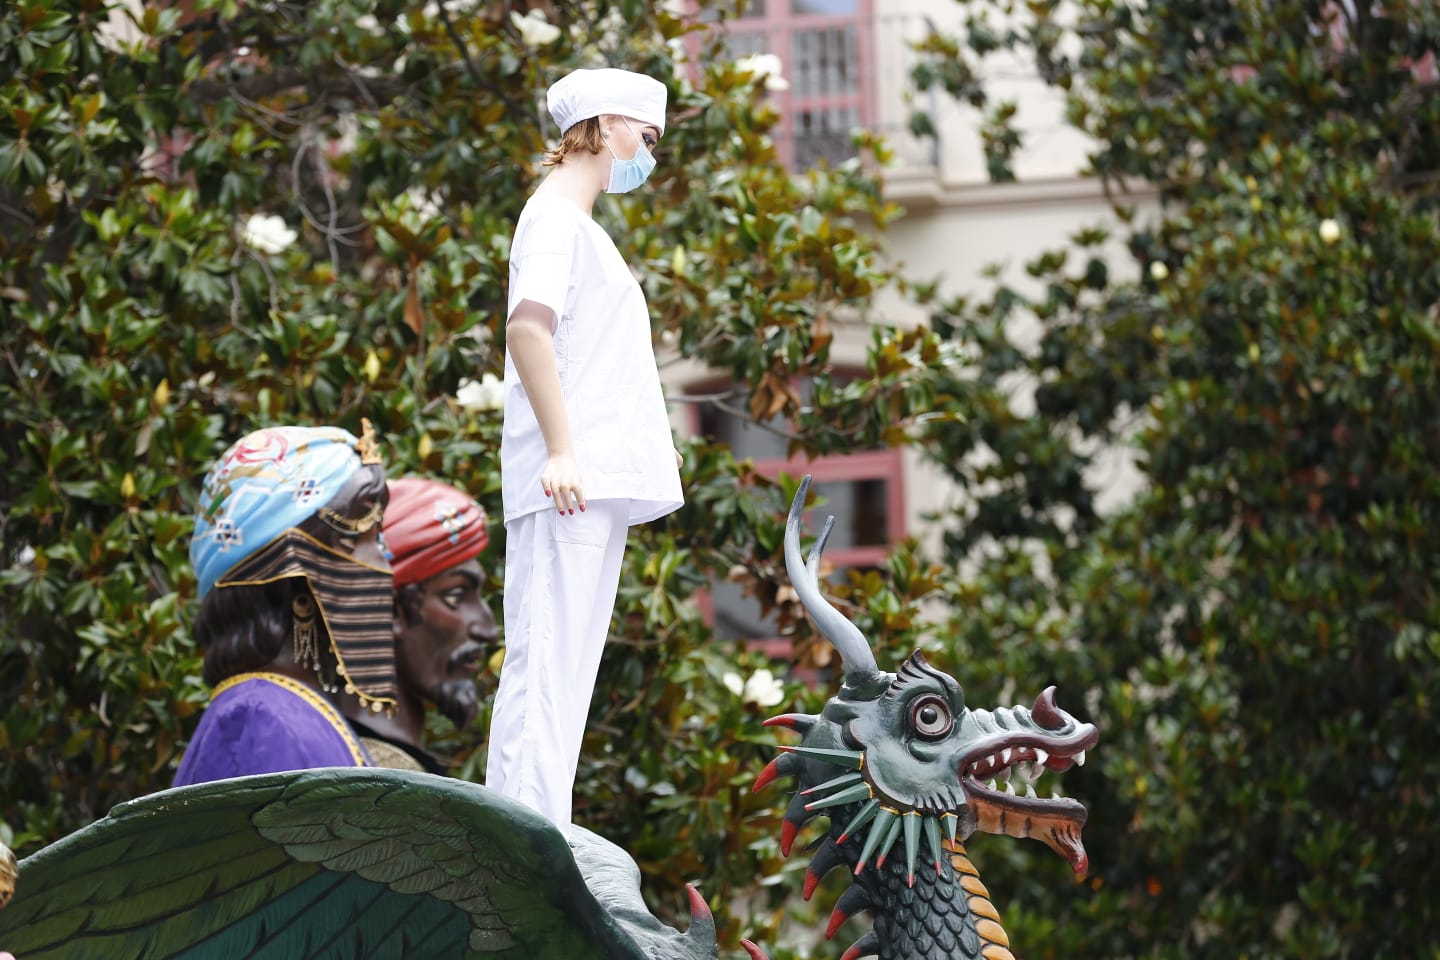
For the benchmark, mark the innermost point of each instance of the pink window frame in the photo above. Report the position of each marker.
(777, 28)
(882, 464)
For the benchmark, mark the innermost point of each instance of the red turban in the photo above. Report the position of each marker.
(430, 527)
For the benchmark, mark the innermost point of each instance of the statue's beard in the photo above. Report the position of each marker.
(457, 701)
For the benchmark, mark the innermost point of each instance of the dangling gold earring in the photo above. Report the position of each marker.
(302, 608)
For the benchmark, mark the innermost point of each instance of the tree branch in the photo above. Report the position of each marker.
(473, 70)
(258, 86)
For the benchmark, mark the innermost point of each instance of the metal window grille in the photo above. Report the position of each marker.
(826, 51)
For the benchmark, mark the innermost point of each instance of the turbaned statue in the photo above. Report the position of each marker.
(357, 862)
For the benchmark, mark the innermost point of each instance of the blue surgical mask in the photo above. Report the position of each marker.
(626, 175)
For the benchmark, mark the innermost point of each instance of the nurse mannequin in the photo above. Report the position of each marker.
(586, 449)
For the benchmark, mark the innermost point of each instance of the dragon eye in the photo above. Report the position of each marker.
(930, 717)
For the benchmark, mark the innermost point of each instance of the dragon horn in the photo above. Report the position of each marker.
(866, 946)
(851, 902)
(701, 931)
(827, 858)
(855, 654)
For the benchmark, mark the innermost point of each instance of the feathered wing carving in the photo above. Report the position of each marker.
(330, 863)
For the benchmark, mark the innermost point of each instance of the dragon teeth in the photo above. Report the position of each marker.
(991, 784)
(1010, 788)
(1005, 756)
(1030, 791)
(1080, 759)
(1041, 756)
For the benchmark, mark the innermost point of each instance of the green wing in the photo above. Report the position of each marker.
(334, 863)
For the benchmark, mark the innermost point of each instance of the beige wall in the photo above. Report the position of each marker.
(958, 224)
(1052, 149)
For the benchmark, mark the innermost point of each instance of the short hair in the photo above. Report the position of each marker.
(585, 135)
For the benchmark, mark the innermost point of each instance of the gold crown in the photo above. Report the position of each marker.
(367, 446)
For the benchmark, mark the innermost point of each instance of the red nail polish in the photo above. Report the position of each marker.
(547, 493)
(582, 508)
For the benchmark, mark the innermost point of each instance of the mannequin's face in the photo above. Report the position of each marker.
(626, 135)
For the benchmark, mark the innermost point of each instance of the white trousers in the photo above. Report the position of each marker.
(561, 576)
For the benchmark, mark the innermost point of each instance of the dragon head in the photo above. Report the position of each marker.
(926, 753)
(916, 760)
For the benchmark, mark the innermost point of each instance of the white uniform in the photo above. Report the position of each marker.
(561, 573)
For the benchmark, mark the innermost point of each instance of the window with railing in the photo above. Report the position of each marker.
(864, 490)
(826, 52)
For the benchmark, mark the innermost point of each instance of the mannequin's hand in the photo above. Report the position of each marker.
(561, 482)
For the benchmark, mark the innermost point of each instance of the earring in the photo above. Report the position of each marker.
(302, 608)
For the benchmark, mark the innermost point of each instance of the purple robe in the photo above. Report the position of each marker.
(264, 723)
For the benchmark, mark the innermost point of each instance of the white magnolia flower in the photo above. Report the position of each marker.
(763, 688)
(534, 30)
(766, 65)
(423, 203)
(613, 29)
(487, 393)
(267, 233)
(1158, 271)
(431, 10)
(368, 23)
(1329, 230)
(733, 683)
(457, 9)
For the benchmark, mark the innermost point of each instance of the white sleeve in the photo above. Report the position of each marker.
(542, 260)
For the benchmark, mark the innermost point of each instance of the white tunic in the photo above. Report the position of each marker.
(562, 259)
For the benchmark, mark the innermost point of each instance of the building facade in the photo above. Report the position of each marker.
(835, 65)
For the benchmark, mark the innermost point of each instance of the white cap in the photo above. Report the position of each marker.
(582, 94)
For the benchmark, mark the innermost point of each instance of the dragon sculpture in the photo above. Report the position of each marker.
(906, 772)
(341, 863)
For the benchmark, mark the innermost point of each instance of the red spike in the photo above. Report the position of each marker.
(852, 954)
(699, 909)
(787, 836)
(811, 882)
(937, 868)
(858, 867)
(784, 720)
(837, 919)
(755, 952)
(767, 776)
(910, 880)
